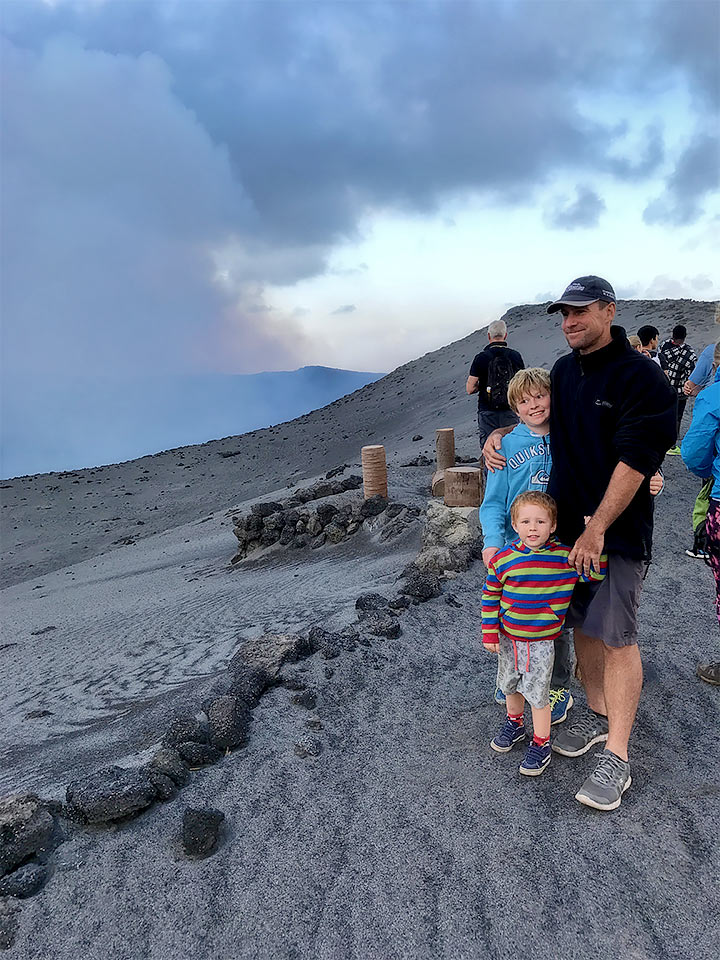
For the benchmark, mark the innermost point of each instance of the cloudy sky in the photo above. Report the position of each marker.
(230, 186)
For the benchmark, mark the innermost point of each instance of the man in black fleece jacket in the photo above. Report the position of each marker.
(612, 417)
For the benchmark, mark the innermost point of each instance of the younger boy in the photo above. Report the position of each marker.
(524, 603)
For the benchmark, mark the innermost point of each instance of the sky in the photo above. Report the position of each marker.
(199, 187)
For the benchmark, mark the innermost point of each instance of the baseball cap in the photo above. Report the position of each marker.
(583, 291)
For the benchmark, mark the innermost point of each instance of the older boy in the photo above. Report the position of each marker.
(527, 450)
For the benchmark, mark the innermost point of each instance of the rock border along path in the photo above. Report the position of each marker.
(30, 828)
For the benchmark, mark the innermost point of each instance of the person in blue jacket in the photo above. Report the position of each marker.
(527, 452)
(701, 453)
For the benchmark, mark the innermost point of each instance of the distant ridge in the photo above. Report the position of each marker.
(88, 421)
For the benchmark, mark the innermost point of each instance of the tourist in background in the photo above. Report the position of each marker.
(701, 453)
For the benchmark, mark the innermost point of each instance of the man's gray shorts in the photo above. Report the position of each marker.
(534, 669)
(608, 609)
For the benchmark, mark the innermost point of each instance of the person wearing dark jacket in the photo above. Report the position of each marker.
(490, 373)
(612, 418)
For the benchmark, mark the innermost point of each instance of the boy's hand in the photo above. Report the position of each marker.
(488, 554)
(493, 459)
(491, 647)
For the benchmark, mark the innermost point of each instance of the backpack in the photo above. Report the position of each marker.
(699, 519)
(500, 372)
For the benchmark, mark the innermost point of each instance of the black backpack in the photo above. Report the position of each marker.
(501, 370)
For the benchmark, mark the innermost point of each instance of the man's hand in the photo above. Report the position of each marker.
(488, 554)
(656, 483)
(690, 389)
(491, 647)
(493, 459)
(585, 555)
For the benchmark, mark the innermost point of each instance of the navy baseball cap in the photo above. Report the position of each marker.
(583, 291)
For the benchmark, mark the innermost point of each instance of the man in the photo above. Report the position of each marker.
(612, 417)
(649, 337)
(678, 360)
(490, 373)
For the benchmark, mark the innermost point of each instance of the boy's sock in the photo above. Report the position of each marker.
(518, 719)
(540, 741)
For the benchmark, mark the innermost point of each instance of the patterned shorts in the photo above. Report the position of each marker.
(533, 673)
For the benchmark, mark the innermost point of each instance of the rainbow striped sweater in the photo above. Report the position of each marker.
(527, 592)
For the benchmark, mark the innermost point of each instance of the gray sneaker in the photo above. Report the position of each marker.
(584, 732)
(605, 786)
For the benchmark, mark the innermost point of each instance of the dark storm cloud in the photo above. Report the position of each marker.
(143, 137)
(582, 211)
(696, 174)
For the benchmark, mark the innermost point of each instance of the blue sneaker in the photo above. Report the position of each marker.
(560, 702)
(536, 759)
(510, 734)
(499, 696)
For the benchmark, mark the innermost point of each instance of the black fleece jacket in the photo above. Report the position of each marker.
(609, 406)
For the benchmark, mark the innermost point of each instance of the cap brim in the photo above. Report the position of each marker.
(554, 307)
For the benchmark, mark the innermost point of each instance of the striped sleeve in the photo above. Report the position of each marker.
(492, 592)
(596, 574)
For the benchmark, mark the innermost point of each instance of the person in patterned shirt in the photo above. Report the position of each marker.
(678, 361)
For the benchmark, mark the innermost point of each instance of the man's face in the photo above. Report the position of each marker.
(653, 344)
(587, 328)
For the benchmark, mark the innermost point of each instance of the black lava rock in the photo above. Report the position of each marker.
(200, 830)
(369, 603)
(185, 728)
(24, 882)
(336, 471)
(374, 506)
(26, 827)
(248, 682)
(199, 754)
(307, 699)
(379, 626)
(325, 512)
(395, 509)
(417, 437)
(308, 747)
(353, 482)
(400, 603)
(165, 788)
(228, 719)
(422, 586)
(9, 919)
(168, 763)
(265, 509)
(110, 794)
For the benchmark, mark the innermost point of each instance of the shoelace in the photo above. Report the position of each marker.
(610, 769)
(557, 696)
(585, 723)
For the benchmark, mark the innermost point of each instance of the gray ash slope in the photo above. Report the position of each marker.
(407, 837)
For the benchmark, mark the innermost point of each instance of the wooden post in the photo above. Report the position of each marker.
(445, 448)
(374, 470)
(463, 487)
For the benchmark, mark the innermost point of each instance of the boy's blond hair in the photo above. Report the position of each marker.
(536, 499)
(527, 381)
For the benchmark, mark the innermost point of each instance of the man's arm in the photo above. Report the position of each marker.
(494, 460)
(472, 384)
(624, 484)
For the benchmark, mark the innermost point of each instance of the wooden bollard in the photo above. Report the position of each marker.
(445, 448)
(374, 471)
(463, 487)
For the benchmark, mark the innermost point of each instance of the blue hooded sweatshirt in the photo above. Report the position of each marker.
(528, 468)
(701, 444)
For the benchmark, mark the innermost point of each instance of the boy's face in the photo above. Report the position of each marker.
(534, 408)
(533, 525)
